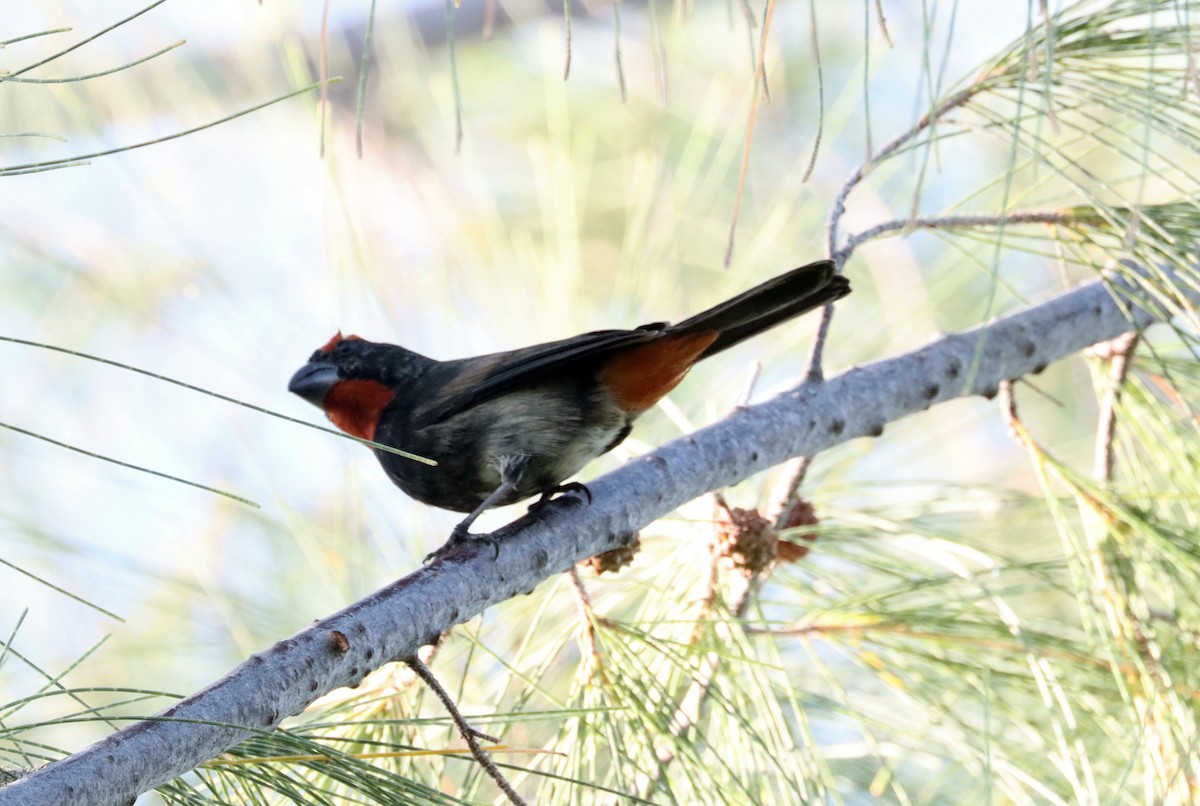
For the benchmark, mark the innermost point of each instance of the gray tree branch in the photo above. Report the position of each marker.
(396, 621)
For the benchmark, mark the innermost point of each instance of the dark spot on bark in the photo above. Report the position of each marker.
(754, 456)
(272, 718)
(1028, 349)
(1039, 369)
(952, 370)
(360, 628)
(990, 392)
(313, 685)
(932, 391)
(540, 558)
(837, 427)
(370, 653)
(338, 642)
(657, 461)
(875, 430)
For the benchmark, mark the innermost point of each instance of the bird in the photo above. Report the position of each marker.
(507, 426)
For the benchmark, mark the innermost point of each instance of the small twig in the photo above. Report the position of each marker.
(742, 586)
(587, 616)
(364, 67)
(898, 142)
(30, 167)
(751, 24)
(692, 702)
(1118, 352)
(868, 627)
(617, 49)
(815, 45)
(107, 72)
(469, 734)
(816, 355)
(799, 469)
(323, 101)
(132, 466)
(687, 713)
(452, 49)
(1125, 621)
(6, 42)
(48, 135)
(566, 38)
(1048, 96)
(405, 676)
(950, 222)
(299, 757)
(709, 598)
(660, 55)
(841, 255)
(883, 29)
(193, 388)
(79, 44)
(1008, 410)
(760, 77)
(815, 359)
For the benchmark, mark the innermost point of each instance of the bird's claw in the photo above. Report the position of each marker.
(458, 537)
(570, 487)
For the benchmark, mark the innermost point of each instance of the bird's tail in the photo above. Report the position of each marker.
(777, 300)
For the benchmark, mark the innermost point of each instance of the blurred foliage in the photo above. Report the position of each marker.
(972, 618)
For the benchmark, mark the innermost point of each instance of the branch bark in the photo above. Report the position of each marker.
(394, 622)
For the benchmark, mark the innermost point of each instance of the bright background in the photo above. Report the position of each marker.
(225, 257)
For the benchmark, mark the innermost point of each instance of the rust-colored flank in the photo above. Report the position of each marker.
(640, 376)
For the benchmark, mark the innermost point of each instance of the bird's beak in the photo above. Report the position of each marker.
(313, 380)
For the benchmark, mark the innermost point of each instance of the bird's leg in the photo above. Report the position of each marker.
(510, 476)
(569, 487)
(460, 533)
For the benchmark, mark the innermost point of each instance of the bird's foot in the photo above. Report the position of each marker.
(460, 536)
(570, 487)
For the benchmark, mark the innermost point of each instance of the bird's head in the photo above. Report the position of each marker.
(353, 380)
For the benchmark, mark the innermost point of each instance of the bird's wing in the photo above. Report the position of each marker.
(472, 381)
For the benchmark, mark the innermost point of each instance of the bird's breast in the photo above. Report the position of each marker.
(551, 432)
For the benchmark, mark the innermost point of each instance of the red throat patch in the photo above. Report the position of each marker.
(355, 406)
